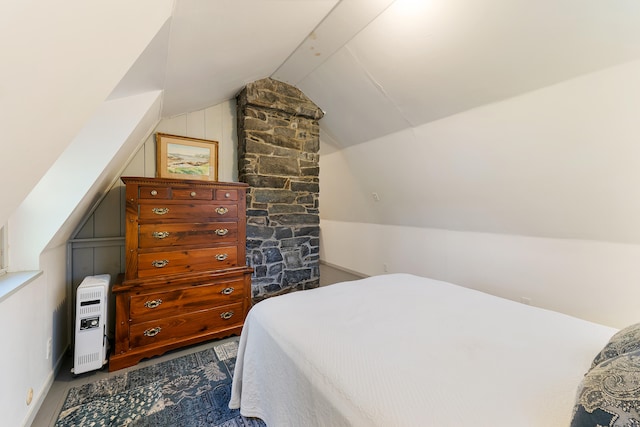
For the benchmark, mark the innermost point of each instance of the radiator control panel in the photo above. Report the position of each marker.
(89, 323)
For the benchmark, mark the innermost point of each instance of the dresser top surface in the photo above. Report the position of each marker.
(180, 182)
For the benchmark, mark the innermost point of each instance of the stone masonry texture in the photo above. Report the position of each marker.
(278, 143)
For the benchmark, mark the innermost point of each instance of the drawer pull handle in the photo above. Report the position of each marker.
(221, 210)
(193, 194)
(226, 315)
(153, 303)
(152, 332)
(227, 195)
(160, 211)
(154, 193)
(221, 231)
(221, 257)
(160, 234)
(227, 291)
(159, 263)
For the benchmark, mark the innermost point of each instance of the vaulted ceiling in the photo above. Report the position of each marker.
(374, 66)
(380, 66)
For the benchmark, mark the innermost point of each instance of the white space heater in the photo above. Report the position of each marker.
(90, 350)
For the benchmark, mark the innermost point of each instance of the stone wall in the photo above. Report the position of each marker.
(278, 143)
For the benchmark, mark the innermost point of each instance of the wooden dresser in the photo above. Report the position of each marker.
(186, 280)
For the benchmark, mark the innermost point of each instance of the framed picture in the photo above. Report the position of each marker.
(186, 158)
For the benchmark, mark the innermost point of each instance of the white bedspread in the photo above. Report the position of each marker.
(401, 350)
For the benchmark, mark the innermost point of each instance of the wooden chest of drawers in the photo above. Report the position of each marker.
(185, 280)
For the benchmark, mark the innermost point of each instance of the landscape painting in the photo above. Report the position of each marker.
(186, 158)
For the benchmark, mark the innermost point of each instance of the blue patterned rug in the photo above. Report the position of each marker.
(189, 391)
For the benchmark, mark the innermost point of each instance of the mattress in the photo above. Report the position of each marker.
(403, 350)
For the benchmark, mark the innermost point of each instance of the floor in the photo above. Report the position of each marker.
(65, 380)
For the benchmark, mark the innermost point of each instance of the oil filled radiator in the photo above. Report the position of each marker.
(90, 350)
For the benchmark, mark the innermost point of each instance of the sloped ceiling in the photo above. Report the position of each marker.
(375, 66)
(380, 66)
(216, 47)
(60, 60)
(419, 61)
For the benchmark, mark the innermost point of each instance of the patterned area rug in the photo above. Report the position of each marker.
(189, 391)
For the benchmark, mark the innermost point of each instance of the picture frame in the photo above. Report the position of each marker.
(183, 157)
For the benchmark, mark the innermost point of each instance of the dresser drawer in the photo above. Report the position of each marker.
(150, 211)
(178, 262)
(192, 193)
(222, 194)
(210, 233)
(190, 324)
(153, 192)
(164, 304)
(159, 192)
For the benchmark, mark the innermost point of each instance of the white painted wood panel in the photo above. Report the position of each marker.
(136, 165)
(86, 232)
(82, 264)
(196, 124)
(107, 217)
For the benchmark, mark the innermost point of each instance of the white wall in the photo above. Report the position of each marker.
(597, 281)
(38, 231)
(90, 56)
(535, 196)
(30, 317)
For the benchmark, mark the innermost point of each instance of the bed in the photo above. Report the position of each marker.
(403, 350)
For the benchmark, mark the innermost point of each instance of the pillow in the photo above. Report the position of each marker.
(609, 394)
(624, 341)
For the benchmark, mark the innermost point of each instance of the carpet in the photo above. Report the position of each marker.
(189, 391)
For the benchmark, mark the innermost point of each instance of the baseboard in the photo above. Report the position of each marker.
(39, 399)
(346, 270)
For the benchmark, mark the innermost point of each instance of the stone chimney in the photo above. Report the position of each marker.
(278, 143)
